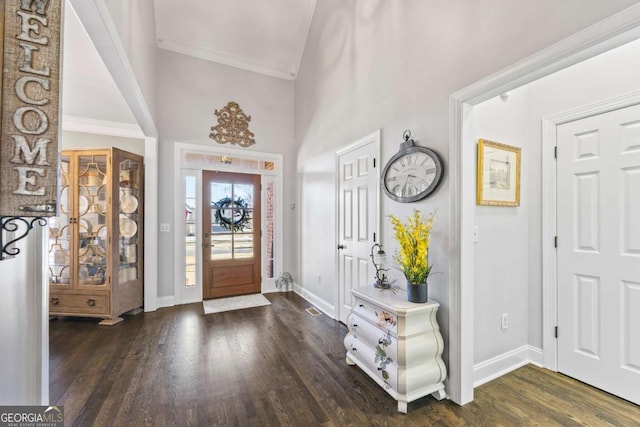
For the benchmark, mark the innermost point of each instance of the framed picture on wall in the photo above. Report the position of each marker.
(498, 174)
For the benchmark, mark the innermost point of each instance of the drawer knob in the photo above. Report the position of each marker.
(384, 341)
(91, 302)
(354, 349)
(361, 305)
(55, 301)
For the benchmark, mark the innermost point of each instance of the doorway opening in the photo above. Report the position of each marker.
(233, 233)
(504, 353)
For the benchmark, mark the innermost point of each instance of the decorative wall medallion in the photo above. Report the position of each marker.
(232, 127)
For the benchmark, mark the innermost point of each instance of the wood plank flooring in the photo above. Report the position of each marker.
(275, 365)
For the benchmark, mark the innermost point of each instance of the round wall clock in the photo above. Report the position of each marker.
(413, 173)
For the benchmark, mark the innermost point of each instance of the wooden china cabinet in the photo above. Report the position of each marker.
(96, 241)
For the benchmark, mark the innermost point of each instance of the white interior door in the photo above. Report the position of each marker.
(358, 194)
(599, 251)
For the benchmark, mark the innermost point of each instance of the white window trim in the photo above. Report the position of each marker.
(182, 170)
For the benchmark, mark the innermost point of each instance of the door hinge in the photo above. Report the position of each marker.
(556, 332)
(374, 162)
(555, 241)
(555, 152)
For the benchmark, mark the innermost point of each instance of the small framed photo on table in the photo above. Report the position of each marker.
(498, 174)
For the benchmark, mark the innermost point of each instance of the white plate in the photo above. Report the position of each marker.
(83, 205)
(128, 227)
(128, 203)
(64, 200)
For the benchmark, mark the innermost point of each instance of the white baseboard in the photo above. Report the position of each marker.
(536, 356)
(502, 364)
(168, 301)
(318, 302)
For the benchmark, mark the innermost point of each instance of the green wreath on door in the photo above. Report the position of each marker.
(240, 213)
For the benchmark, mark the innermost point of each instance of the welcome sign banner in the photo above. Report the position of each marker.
(30, 106)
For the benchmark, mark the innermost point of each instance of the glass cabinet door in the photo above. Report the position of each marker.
(92, 219)
(60, 231)
(130, 241)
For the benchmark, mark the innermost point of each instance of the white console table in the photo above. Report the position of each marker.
(397, 343)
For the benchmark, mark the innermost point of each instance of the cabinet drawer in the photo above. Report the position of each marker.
(373, 336)
(367, 356)
(76, 303)
(383, 319)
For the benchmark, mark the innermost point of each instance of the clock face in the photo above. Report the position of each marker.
(412, 174)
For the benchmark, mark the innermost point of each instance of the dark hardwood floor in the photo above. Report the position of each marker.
(275, 365)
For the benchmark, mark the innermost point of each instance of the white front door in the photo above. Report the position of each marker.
(357, 218)
(599, 251)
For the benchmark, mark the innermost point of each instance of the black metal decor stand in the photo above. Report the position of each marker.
(12, 224)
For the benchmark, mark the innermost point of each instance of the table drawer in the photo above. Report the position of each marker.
(383, 319)
(373, 336)
(387, 372)
(77, 303)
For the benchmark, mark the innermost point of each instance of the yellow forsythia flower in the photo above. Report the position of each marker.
(414, 237)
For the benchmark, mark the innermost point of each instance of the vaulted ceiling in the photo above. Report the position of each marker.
(88, 90)
(266, 37)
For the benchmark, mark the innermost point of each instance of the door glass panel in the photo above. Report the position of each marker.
(221, 247)
(219, 191)
(269, 212)
(190, 213)
(243, 220)
(243, 193)
(92, 249)
(242, 246)
(59, 238)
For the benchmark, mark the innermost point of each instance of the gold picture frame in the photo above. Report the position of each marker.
(498, 174)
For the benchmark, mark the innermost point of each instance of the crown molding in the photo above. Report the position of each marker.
(235, 61)
(303, 44)
(101, 127)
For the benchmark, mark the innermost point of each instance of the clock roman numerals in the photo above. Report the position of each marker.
(412, 174)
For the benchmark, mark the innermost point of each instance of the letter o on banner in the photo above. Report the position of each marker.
(18, 120)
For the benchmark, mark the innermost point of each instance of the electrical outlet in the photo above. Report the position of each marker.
(475, 234)
(505, 321)
(319, 279)
(165, 228)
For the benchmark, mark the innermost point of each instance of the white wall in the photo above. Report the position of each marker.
(72, 140)
(189, 91)
(135, 22)
(392, 65)
(24, 359)
(513, 236)
(501, 255)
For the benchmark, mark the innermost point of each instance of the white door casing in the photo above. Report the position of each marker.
(598, 205)
(358, 218)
